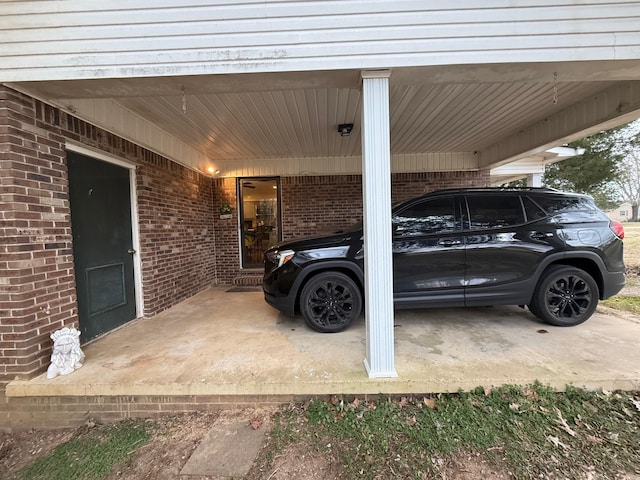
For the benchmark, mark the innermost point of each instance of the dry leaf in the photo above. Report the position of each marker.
(256, 422)
(487, 391)
(413, 420)
(593, 439)
(429, 402)
(564, 423)
(556, 441)
(403, 402)
(515, 407)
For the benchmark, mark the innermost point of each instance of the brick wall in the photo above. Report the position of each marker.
(227, 243)
(175, 211)
(37, 287)
(315, 205)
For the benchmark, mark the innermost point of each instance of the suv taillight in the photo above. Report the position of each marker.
(617, 228)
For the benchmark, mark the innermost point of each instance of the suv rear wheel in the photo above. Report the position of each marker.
(565, 296)
(330, 302)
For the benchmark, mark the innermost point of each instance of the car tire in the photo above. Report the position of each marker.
(565, 296)
(330, 302)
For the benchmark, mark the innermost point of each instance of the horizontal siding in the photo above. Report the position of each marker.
(293, 167)
(109, 115)
(88, 39)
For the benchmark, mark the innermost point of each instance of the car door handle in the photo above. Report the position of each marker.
(448, 243)
(541, 235)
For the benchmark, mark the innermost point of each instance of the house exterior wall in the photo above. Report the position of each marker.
(316, 205)
(623, 213)
(37, 286)
(126, 38)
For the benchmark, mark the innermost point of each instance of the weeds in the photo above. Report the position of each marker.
(90, 455)
(531, 432)
(626, 303)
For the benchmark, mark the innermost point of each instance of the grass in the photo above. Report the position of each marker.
(626, 303)
(90, 455)
(531, 432)
(632, 245)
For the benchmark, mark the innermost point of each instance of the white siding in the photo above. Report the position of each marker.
(427, 162)
(128, 38)
(114, 118)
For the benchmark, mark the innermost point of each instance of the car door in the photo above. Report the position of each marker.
(506, 237)
(428, 253)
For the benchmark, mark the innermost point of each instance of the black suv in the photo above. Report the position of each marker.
(555, 252)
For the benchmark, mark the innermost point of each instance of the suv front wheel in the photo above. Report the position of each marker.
(565, 296)
(330, 302)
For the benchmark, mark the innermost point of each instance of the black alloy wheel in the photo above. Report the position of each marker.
(330, 302)
(565, 296)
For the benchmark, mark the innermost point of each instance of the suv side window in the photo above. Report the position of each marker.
(494, 211)
(533, 211)
(430, 216)
(557, 204)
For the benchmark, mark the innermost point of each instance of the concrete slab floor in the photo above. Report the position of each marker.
(224, 343)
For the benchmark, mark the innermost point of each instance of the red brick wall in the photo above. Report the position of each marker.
(37, 286)
(227, 242)
(319, 205)
(175, 211)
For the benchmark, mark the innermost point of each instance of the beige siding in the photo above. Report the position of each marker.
(124, 38)
(292, 167)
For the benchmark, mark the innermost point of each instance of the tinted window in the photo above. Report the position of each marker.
(563, 203)
(494, 211)
(430, 216)
(533, 211)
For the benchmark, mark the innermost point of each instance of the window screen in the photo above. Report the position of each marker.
(494, 212)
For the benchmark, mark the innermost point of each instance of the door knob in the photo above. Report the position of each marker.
(131, 251)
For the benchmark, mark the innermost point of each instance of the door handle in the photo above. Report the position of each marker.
(131, 251)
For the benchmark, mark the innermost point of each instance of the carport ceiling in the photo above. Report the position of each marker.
(296, 114)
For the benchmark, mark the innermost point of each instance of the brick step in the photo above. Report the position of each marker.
(249, 280)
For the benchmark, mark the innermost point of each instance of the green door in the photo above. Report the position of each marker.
(100, 196)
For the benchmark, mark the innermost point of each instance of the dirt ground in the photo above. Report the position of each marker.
(175, 437)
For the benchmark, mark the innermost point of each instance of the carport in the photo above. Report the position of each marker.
(423, 98)
(481, 120)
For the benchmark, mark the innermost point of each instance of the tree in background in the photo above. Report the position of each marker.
(609, 169)
(628, 181)
(593, 173)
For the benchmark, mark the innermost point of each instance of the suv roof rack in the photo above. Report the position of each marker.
(496, 189)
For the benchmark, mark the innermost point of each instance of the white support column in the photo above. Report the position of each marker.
(378, 262)
(534, 180)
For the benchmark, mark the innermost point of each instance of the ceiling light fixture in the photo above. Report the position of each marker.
(344, 129)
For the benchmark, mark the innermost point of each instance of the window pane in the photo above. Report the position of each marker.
(533, 211)
(495, 212)
(564, 204)
(431, 216)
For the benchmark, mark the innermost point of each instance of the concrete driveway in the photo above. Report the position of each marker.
(232, 343)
